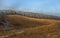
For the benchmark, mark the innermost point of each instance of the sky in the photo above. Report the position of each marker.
(43, 6)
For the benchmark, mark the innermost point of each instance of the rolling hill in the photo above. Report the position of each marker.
(24, 21)
(27, 27)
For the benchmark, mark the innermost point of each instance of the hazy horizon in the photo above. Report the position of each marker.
(51, 7)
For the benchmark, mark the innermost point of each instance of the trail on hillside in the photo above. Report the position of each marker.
(24, 26)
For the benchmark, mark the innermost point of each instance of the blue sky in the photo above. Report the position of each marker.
(51, 6)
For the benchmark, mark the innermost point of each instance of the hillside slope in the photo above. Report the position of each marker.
(23, 21)
(26, 27)
(50, 31)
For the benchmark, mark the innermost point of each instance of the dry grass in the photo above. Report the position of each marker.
(23, 21)
(50, 31)
(32, 27)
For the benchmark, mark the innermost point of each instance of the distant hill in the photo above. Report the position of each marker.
(31, 14)
(39, 15)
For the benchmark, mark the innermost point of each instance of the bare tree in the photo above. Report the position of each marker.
(4, 21)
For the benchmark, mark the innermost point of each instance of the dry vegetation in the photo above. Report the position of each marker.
(27, 22)
(26, 27)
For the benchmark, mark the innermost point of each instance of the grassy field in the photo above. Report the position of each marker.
(26, 27)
